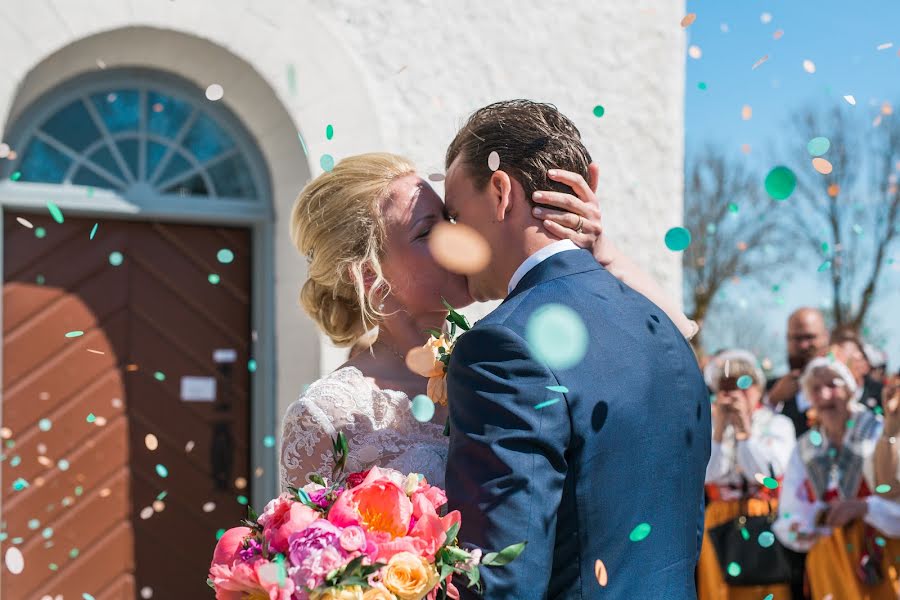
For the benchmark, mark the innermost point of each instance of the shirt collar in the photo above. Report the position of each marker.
(537, 258)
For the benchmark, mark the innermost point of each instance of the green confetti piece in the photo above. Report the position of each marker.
(677, 239)
(225, 256)
(818, 146)
(269, 441)
(219, 534)
(91, 418)
(40, 280)
(40, 233)
(17, 540)
(849, 547)
(74, 334)
(79, 490)
(780, 183)
(857, 229)
(326, 162)
(251, 365)
(159, 376)
(87, 596)
(63, 464)
(850, 423)
(557, 336)
(744, 382)
(733, 208)
(826, 248)
(550, 402)
(17, 175)
(422, 408)
(640, 532)
(329, 132)
(824, 266)
(702, 85)
(815, 438)
(162, 495)
(770, 483)
(56, 213)
(242, 500)
(711, 228)
(214, 279)
(53, 567)
(94, 230)
(73, 553)
(734, 569)
(884, 488)
(15, 461)
(162, 471)
(116, 259)
(599, 111)
(745, 534)
(766, 539)
(560, 389)
(878, 410)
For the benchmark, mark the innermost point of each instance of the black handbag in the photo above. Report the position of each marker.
(745, 558)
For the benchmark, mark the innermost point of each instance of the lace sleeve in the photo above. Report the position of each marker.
(306, 436)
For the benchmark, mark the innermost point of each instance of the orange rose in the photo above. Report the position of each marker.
(437, 389)
(378, 594)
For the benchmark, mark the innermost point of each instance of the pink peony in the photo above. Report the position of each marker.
(378, 504)
(229, 546)
(282, 518)
(353, 538)
(237, 582)
(274, 580)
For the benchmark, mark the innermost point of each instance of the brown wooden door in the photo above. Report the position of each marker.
(107, 510)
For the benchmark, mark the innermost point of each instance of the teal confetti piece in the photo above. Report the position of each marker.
(780, 183)
(269, 441)
(884, 488)
(745, 534)
(734, 569)
(73, 553)
(640, 532)
(63, 465)
(33, 524)
(770, 483)
(329, 132)
(74, 334)
(815, 438)
(91, 418)
(242, 500)
(116, 259)
(162, 471)
(702, 85)
(744, 382)
(560, 389)
(159, 376)
(557, 336)
(19, 484)
(769, 597)
(87, 596)
(45, 425)
(47, 533)
(162, 496)
(56, 213)
(17, 175)
(550, 402)
(880, 541)
(766, 539)
(225, 256)
(818, 146)
(251, 365)
(94, 230)
(422, 408)
(214, 279)
(824, 266)
(326, 162)
(15, 461)
(678, 239)
(219, 534)
(40, 233)
(599, 111)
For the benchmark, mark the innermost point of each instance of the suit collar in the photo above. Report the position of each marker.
(558, 265)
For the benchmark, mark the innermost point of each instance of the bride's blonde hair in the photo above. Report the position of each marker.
(337, 224)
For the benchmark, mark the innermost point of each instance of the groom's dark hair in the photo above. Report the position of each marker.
(530, 138)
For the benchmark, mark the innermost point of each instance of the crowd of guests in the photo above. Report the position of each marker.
(803, 483)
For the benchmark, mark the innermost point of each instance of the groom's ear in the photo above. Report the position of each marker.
(500, 189)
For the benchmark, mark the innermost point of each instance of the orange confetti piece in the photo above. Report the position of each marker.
(745, 148)
(688, 19)
(887, 109)
(833, 190)
(695, 52)
(746, 112)
(742, 246)
(778, 34)
(822, 166)
(459, 248)
(809, 66)
(600, 572)
(760, 61)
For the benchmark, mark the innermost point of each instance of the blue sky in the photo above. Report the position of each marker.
(841, 39)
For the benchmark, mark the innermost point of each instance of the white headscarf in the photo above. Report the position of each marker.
(831, 364)
(720, 364)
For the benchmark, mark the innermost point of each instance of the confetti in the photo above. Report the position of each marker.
(63, 465)
(91, 418)
(47, 533)
(778, 34)
(17, 175)
(214, 279)
(436, 177)
(880, 541)
(850, 100)
(885, 46)
(733, 208)
(40, 233)
(678, 239)
(151, 442)
(326, 162)
(770, 483)
(551, 402)
(600, 573)
(329, 132)
(242, 500)
(251, 365)
(884, 488)
(14, 560)
(33, 524)
(695, 52)
(765, 18)
(561, 389)
(162, 471)
(824, 266)
(599, 111)
(780, 183)
(734, 569)
(724, 28)
(746, 112)
(215, 92)
(557, 336)
(818, 146)
(815, 438)
(225, 256)
(159, 376)
(189, 446)
(809, 66)
(45, 425)
(686, 21)
(493, 160)
(240, 483)
(219, 534)
(147, 512)
(25, 222)
(459, 248)
(4, 150)
(94, 230)
(55, 212)
(146, 593)
(822, 165)
(74, 334)
(269, 441)
(116, 259)
(760, 61)
(702, 85)
(640, 532)
(744, 382)
(422, 408)
(209, 507)
(159, 506)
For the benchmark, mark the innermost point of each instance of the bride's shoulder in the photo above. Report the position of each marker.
(337, 392)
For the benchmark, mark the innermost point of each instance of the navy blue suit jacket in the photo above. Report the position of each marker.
(627, 444)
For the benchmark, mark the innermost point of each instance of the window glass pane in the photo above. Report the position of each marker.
(104, 158)
(129, 151)
(72, 126)
(85, 176)
(206, 140)
(177, 164)
(118, 109)
(231, 177)
(166, 115)
(43, 163)
(189, 187)
(155, 152)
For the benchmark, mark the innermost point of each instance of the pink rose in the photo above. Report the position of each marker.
(274, 580)
(229, 546)
(430, 529)
(434, 496)
(378, 504)
(235, 582)
(353, 538)
(283, 517)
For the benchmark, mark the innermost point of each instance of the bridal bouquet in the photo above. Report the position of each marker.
(374, 535)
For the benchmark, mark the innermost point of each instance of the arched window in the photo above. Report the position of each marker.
(137, 134)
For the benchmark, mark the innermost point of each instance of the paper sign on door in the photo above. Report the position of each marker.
(198, 389)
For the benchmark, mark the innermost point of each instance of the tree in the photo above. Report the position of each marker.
(848, 217)
(734, 229)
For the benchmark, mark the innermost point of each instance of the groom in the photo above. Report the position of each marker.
(611, 471)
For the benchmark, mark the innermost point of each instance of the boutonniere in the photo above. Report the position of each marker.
(432, 359)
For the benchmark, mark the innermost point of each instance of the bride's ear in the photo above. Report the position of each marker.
(500, 188)
(368, 276)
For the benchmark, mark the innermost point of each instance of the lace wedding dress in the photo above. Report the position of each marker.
(378, 424)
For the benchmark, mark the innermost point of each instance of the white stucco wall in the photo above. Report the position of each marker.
(399, 76)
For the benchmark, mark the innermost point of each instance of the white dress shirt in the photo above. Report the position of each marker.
(537, 258)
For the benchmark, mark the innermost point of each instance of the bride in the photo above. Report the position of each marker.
(364, 228)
